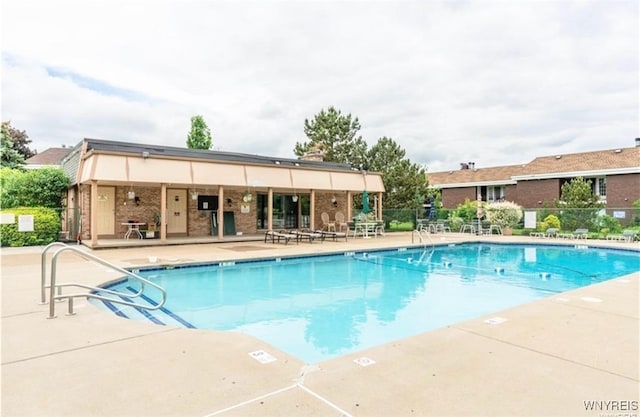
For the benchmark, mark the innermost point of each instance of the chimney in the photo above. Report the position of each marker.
(316, 153)
(472, 165)
(313, 156)
(464, 165)
(637, 142)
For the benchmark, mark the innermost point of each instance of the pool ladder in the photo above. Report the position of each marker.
(55, 287)
(420, 231)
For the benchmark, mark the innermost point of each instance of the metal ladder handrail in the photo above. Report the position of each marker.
(419, 233)
(52, 286)
(43, 274)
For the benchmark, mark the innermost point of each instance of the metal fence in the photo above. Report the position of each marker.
(593, 219)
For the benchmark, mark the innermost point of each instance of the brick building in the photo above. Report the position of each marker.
(614, 175)
(179, 192)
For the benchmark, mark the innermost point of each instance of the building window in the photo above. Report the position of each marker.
(495, 193)
(287, 213)
(598, 187)
(601, 189)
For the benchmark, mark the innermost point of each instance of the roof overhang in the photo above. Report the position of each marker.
(574, 174)
(474, 184)
(109, 168)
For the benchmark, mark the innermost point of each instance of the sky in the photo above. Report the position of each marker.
(495, 82)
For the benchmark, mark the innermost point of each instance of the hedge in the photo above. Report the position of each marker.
(46, 227)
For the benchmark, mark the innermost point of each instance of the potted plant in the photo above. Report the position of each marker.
(506, 214)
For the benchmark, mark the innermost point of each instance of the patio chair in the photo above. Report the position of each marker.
(327, 224)
(551, 232)
(379, 228)
(442, 226)
(340, 224)
(353, 228)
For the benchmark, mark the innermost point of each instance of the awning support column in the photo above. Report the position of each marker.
(163, 213)
(94, 213)
(220, 212)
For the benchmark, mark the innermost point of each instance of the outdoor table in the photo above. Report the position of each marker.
(133, 228)
(365, 226)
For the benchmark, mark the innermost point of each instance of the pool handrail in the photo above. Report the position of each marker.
(419, 231)
(53, 285)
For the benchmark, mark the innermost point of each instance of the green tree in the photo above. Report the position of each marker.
(199, 136)
(336, 135)
(579, 206)
(405, 182)
(10, 157)
(33, 188)
(19, 140)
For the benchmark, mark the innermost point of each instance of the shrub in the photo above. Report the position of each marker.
(46, 226)
(608, 224)
(505, 214)
(550, 221)
(33, 188)
(455, 223)
(443, 214)
(468, 210)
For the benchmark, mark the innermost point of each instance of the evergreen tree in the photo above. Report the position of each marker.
(199, 136)
(405, 182)
(579, 206)
(336, 135)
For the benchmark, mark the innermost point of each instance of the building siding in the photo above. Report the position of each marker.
(622, 190)
(538, 193)
(451, 197)
(511, 192)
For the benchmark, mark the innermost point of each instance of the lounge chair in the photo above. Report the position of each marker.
(626, 236)
(577, 234)
(549, 233)
(334, 235)
(277, 235)
(308, 234)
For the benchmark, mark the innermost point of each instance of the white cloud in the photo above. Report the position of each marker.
(487, 81)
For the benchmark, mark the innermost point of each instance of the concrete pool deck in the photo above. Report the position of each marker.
(572, 354)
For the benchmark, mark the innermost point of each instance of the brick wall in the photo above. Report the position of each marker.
(511, 193)
(85, 209)
(451, 197)
(324, 204)
(622, 190)
(535, 193)
(199, 221)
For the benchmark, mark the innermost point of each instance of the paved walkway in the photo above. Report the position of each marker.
(550, 358)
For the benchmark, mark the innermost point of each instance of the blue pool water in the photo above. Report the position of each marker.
(316, 308)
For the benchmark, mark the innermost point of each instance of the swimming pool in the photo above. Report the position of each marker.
(320, 307)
